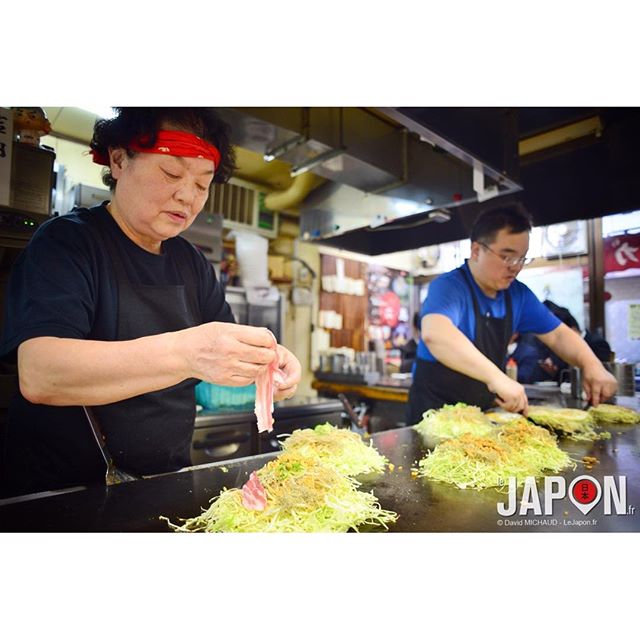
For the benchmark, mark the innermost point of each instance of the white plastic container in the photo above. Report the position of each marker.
(251, 253)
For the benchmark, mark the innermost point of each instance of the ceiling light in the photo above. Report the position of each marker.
(103, 112)
(561, 135)
(312, 163)
(285, 147)
(439, 216)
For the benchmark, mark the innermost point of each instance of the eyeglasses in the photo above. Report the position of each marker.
(508, 260)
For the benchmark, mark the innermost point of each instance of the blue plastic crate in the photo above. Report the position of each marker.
(217, 397)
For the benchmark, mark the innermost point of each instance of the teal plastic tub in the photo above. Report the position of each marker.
(218, 397)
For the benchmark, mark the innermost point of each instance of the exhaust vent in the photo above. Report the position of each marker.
(241, 206)
(234, 203)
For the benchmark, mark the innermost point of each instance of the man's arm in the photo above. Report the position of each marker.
(453, 349)
(599, 384)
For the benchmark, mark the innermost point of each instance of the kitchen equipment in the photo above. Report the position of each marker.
(366, 360)
(86, 195)
(32, 179)
(325, 362)
(624, 374)
(357, 423)
(206, 234)
(269, 313)
(576, 383)
(226, 434)
(338, 361)
(574, 376)
(235, 437)
(113, 475)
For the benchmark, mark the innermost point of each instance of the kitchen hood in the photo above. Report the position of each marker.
(575, 164)
(396, 178)
(379, 165)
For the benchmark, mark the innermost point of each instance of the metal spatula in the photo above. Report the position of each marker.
(113, 475)
(356, 423)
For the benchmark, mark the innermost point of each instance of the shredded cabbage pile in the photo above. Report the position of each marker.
(452, 420)
(533, 448)
(575, 424)
(342, 449)
(303, 495)
(614, 414)
(517, 449)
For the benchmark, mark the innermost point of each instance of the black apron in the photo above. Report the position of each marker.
(151, 433)
(435, 385)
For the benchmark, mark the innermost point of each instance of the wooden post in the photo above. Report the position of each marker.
(596, 276)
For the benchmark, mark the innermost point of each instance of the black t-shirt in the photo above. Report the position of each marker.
(63, 285)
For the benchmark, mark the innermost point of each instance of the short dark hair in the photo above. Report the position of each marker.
(562, 313)
(131, 122)
(489, 223)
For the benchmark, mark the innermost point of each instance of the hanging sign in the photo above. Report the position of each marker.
(6, 145)
(622, 252)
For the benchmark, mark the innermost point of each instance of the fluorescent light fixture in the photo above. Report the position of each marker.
(281, 149)
(439, 216)
(103, 112)
(312, 163)
(587, 127)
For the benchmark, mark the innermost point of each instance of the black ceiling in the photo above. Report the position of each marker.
(583, 179)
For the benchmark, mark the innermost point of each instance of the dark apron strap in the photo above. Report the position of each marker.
(151, 433)
(492, 334)
(435, 384)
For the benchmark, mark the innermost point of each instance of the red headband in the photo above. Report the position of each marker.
(170, 143)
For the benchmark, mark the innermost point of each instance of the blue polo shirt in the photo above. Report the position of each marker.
(449, 295)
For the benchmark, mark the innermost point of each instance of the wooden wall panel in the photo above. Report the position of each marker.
(353, 309)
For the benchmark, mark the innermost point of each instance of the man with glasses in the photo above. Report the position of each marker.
(469, 316)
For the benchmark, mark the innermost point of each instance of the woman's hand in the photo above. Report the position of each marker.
(224, 353)
(290, 370)
(233, 354)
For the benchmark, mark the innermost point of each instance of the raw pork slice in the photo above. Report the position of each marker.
(264, 392)
(254, 496)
